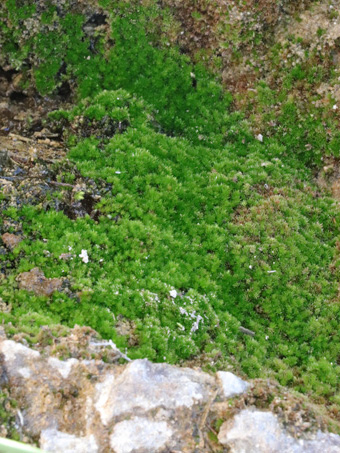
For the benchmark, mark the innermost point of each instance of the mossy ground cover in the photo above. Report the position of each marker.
(204, 229)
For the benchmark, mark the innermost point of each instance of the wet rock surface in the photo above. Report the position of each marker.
(69, 399)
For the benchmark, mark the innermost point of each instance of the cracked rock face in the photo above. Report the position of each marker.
(86, 405)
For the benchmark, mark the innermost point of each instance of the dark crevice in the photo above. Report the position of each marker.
(18, 96)
(97, 20)
(8, 75)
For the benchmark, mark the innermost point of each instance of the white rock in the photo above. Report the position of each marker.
(260, 432)
(52, 440)
(145, 386)
(231, 384)
(103, 390)
(25, 372)
(64, 367)
(13, 351)
(140, 434)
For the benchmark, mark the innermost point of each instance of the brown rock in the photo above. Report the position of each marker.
(36, 282)
(11, 240)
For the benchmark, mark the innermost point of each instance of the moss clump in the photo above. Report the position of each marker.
(236, 234)
(203, 227)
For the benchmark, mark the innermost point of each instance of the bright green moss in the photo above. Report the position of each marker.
(235, 226)
(237, 233)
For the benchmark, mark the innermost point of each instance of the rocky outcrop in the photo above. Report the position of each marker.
(86, 405)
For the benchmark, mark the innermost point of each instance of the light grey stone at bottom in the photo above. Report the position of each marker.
(140, 434)
(253, 431)
(54, 441)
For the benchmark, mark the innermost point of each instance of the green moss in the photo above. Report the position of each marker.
(196, 204)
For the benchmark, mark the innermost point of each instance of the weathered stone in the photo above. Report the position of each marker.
(81, 405)
(36, 282)
(231, 384)
(255, 431)
(56, 441)
(11, 240)
(140, 434)
(146, 386)
(63, 367)
(18, 358)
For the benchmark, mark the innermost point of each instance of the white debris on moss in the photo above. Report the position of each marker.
(195, 325)
(84, 256)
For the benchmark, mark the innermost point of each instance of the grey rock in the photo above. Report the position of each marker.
(55, 441)
(231, 384)
(147, 386)
(140, 434)
(253, 431)
(79, 405)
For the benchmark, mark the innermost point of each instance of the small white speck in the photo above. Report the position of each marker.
(271, 272)
(84, 256)
(69, 248)
(118, 172)
(267, 338)
(250, 266)
(173, 293)
(259, 137)
(335, 107)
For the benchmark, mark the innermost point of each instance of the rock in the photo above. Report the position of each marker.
(86, 405)
(56, 441)
(140, 434)
(11, 240)
(63, 367)
(231, 384)
(36, 282)
(144, 386)
(254, 431)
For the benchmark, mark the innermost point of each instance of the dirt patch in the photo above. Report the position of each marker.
(36, 282)
(11, 240)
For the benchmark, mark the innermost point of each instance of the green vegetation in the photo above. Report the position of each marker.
(197, 208)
